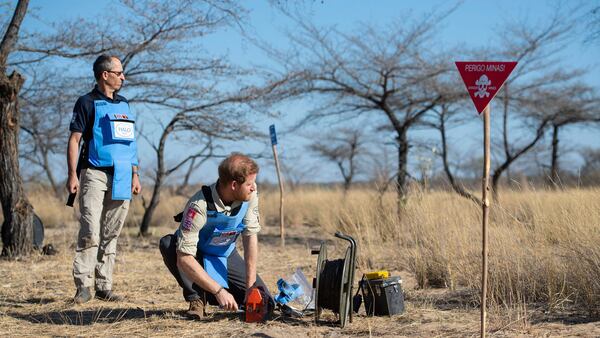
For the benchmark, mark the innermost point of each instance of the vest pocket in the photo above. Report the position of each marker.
(122, 127)
(223, 238)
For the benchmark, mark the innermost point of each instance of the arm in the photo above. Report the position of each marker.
(72, 155)
(250, 243)
(189, 229)
(250, 239)
(194, 271)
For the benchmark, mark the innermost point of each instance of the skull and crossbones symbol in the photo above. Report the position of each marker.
(482, 85)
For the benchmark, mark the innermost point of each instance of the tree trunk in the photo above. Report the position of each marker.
(149, 212)
(505, 142)
(347, 177)
(554, 178)
(455, 186)
(347, 184)
(186, 179)
(160, 176)
(502, 168)
(50, 176)
(403, 147)
(351, 165)
(17, 229)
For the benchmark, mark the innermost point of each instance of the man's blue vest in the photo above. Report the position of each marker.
(113, 144)
(218, 236)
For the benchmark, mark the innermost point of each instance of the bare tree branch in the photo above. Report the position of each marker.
(11, 35)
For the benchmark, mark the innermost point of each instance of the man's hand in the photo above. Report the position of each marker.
(194, 271)
(136, 187)
(226, 300)
(72, 154)
(72, 184)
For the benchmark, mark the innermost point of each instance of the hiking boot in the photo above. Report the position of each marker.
(197, 309)
(83, 295)
(108, 296)
(49, 250)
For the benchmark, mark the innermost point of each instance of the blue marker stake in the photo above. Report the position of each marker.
(273, 134)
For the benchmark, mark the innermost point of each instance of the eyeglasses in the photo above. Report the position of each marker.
(114, 72)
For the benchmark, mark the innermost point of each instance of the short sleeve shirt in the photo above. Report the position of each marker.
(83, 118)
(194, 218)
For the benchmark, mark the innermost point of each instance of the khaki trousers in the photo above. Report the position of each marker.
(100, 225)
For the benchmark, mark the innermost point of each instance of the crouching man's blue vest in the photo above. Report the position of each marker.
(218, 236)
(113, 144)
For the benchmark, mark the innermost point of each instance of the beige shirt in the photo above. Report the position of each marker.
(194, 218)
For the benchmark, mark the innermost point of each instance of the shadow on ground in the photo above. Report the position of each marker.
(218, 316)
(564, 317)
(109, 316)
(445, 300)
(29, 301)
(274, 239)
(88, 317)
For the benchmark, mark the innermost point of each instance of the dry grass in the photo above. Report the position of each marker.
(544, 246)
(544, 267)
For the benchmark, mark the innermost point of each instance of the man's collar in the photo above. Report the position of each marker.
(116, 98)
(219, 202)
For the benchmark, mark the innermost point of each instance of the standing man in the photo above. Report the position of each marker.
(201, 254)
(109, 174)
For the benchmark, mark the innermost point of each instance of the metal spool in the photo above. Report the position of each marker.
(334, 281)
(320, 264)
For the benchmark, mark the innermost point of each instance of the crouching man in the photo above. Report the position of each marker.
(202, 255)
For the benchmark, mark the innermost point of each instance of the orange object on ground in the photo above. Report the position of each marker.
(257, 308)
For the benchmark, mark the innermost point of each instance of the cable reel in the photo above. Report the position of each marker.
(334, 281)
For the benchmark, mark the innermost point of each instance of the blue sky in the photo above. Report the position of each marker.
(474, 23)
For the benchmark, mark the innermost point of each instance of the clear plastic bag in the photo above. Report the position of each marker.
(303, 293)
(306, 300)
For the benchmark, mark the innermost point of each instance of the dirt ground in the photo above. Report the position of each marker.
(35, 295)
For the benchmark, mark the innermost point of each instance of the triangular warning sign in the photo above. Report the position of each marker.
(484, 79)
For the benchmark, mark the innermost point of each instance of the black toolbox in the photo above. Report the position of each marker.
(383, 297)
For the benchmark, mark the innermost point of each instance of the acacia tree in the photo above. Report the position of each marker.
(444, 116)
(202, 119)
(536, 49)
(46, 105)
(169, 77)
(343, 146)
(17, 237)
(564, 106)
(380, 73)
(532, 103)
(194, 165)
(590, 170)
